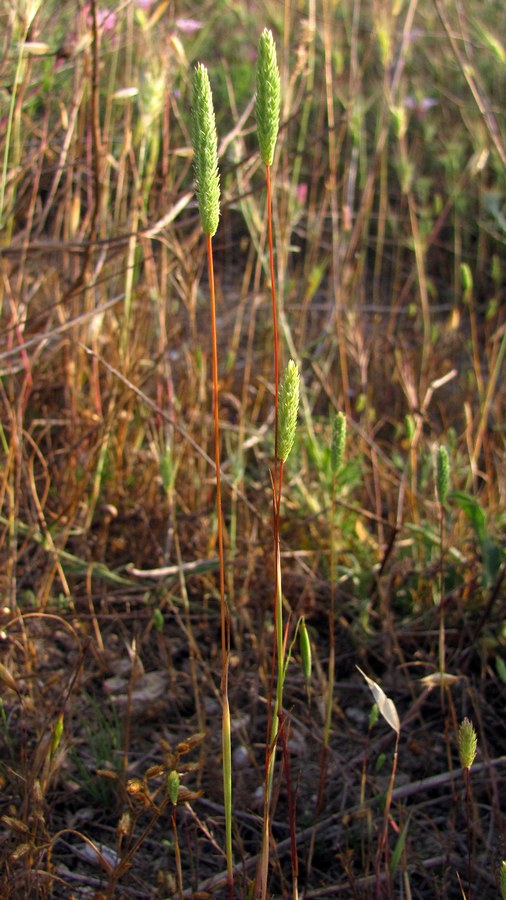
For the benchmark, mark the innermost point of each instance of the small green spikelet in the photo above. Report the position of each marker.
(288, 409)
(205, 147)
(502, 879)
(338, 442)
(305, 650)
(468, 743)
(173, 786)
(443, 474)
(268, 96)
(57, 734)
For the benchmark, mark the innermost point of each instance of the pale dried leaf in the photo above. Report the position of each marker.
(436, 679)
(7, 679)
(385, 705)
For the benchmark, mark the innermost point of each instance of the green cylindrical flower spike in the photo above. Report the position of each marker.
(173, 786)
(338, 442)
(443, 474)
(468, 743)
(288, 409)
(268, 97)
(205, 147)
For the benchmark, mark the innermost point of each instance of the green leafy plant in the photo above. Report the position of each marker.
(491, 552)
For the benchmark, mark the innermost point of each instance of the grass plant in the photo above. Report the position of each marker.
(365, 241)
(207, 186)
(288, 410)
(468, 745)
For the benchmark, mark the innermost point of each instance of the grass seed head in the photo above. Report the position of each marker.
(443, 474)
(173, 786)
(268, 96)
(205, 148)
(468, 743)
(338, 442)
(288, 409)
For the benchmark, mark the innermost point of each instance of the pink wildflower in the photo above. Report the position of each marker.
(188, 26)
(302, 193)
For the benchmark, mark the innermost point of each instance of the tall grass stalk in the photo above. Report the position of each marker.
(442, 484)
(288, 411)
(267, 107)
(207, 186)
(468, 745)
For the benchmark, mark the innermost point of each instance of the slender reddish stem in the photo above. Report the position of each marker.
(274, 320)
(225, 619)
(291, 802)
(277, 479)
(224, 612)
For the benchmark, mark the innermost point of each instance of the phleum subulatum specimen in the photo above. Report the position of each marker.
(267, 107)
(207, 188)
(468, 746)
(205, 148)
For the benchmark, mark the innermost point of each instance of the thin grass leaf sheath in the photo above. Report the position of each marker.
(268, 97)
(205, 147)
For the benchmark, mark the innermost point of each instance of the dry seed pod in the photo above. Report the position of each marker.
(7, 679)
(386, 706)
